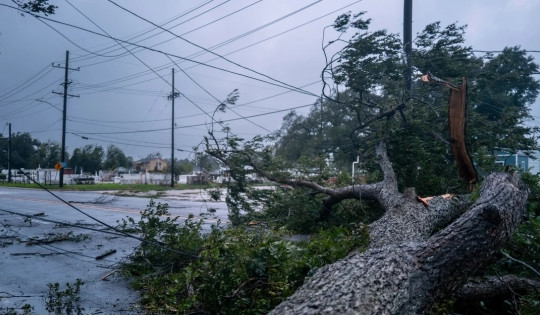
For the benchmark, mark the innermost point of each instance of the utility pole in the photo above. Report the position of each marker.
(407, 41)
(172, 96)
(9, 153)
(65, 94)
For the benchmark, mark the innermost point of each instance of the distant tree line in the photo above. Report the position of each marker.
(30, 153)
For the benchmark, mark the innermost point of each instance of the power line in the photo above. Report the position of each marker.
(215, 98)
(276, 35)
(185, 33)
(118, 41)
(129, 51)
(153, 28)
(26, 83)
(52, 248)
(500, 51)
(62, 223)
(194, 125)
(166, 66)
(123, 143)
(81, 119)
(162, 52)
(216, 54)
(100, 221)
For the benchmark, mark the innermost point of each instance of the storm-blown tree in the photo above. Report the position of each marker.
(501, 89)
(88, 158)
(47, 154)
(421, 251)
(115, 158)
(23, 150)
(37, 6)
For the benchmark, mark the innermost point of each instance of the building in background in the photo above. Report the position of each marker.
(524, 160)
(151, 165)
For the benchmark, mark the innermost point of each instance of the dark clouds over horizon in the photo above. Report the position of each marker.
(123, 96)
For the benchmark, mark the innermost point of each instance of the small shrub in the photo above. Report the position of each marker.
(238, 270)
(64, 301)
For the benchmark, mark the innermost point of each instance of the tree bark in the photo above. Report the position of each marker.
(406, 270)
(494, 289)
(408, 266)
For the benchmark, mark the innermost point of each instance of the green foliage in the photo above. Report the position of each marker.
(533, 203)
(501, 89)
(525, 246)
(215, 194)
(47, 154)
(294, 209)
(89, 158)
(37, 6)
(26, 309)
(184, 166)
(64, 301)
(238, 270)
(299, 211)
(115, 158)
(22, 150)
(156, 226)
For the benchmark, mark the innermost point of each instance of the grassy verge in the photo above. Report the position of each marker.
(109, 186)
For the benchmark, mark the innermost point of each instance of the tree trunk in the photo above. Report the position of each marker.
(405, 270)
(494, 289)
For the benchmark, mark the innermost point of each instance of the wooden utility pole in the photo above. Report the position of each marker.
(407, 41)
(172, 96)
(9, 153)
(65, 94)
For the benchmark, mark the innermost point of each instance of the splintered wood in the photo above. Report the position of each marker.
(426, 200)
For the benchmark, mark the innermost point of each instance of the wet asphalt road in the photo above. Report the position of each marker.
(26, 270)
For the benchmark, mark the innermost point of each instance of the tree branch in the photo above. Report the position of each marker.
(494, 288)
(408, 277)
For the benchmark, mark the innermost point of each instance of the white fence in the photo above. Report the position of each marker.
(52, 176)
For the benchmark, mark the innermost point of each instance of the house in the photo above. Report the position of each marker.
(151, 165)
(524, 160)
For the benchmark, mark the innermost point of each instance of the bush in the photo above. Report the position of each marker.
(237, 270)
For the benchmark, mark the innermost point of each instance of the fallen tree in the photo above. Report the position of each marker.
(422, 250)
(407, 270)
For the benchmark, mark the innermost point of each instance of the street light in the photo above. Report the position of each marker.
(44, 101)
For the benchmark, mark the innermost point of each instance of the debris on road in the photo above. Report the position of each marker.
(107, 253)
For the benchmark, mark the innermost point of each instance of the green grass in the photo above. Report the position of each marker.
(109, 186)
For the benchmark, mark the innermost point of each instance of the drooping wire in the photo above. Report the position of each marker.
(243, 48)
(214, 53)
(153, 243)
(194, 125)
(215, 98)
(26, 83)
(161, 52)
(54, 249)
(82, 58)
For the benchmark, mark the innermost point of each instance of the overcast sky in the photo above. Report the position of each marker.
(272, 46)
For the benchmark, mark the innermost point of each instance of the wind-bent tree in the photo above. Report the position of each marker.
(88, 158)
(115, 158)
(37, 6)
(23, 150)
(47, 154)
(421, 250)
